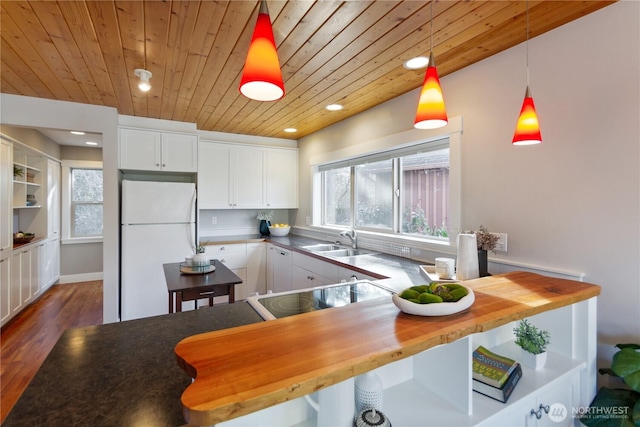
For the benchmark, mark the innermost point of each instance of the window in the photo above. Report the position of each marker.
(82, 190)
(402, 191)
(86, 202)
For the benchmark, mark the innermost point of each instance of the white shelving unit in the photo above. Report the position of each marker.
(434, 388)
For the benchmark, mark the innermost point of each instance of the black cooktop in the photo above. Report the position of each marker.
(285, 305)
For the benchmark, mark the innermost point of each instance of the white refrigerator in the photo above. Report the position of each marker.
(157, 227)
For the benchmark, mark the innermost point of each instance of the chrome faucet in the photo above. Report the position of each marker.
(353, 236)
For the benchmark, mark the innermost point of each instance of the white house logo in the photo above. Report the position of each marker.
(558, 412)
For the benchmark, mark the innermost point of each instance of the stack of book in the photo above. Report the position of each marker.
(494, 375)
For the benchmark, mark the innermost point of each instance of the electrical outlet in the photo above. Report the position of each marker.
(502, 242)
(214, 220)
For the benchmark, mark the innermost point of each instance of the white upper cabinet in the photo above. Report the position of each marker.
(149, 150)
(282, 178)
(247, 173)
(214, 180)
(236, 176)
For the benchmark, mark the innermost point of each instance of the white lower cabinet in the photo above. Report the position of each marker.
(256, 268)
(5, 284)
(434, 388)
(26, 273)
(247, 261)
(279, 269)
(309, 272)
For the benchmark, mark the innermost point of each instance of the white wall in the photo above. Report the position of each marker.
(38, 112)
(571, 203)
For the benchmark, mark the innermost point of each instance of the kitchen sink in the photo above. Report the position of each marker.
(325, 247)
(338, 253)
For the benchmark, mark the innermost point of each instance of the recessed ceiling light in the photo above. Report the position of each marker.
(77, 132)
(416, 63)
(334, 107)
(291, 130)
(91, 143)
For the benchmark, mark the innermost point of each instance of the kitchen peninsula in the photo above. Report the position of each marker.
(126, 373)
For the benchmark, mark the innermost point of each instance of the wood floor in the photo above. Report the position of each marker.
(28, 338)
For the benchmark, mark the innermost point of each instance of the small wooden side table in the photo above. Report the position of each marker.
(189, 287)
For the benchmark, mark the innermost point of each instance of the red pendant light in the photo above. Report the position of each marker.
(261, 77)
(431, 112)
(528, 127)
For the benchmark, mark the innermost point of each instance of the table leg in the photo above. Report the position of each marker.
(178, 302)
(170, 302)
(232, 293)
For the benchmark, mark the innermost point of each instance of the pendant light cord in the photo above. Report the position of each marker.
(527, 43)
(431, 26)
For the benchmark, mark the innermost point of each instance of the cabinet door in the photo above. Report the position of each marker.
(53, 198)
(5, 287)
(214, 185)
(53, 261)
(179, 152)
(281, 270)
(140, 150)
(248, 177)
(282, 178)
(256, 266)
(6, 197)
(25, 276)
(38, 274)
(15, 289)
(303, 279)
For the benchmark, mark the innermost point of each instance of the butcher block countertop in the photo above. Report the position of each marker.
(241, 370)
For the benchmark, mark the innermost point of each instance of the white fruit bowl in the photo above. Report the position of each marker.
(435, 309)
(279, 231)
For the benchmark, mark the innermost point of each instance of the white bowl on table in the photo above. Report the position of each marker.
(279, 231)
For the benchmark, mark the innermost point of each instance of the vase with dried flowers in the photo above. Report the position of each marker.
(265, 222)
(486, 242)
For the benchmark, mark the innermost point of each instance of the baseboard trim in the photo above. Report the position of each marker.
(85, 277)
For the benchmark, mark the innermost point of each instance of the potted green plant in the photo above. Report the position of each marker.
(533, 342)
(620, 406)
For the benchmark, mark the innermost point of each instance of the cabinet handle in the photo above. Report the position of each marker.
(157, 164)
(223, 260)
(310, 278)
(538, 413)
(164, 165)
(223, 248)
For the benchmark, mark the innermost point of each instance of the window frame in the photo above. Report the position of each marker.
(395, 156)
(67, 200)
(406, 138)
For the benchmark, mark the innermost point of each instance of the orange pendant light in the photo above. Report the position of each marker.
(261, 77)
(431, 113)
(528, 128)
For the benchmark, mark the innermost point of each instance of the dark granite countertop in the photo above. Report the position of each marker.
(120, 374)
(126, 374)
(399, 272)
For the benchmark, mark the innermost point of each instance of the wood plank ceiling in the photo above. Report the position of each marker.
(347, 52)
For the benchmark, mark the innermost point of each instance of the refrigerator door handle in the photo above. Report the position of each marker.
(192, 214)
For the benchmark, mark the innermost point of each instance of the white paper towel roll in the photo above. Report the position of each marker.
(467, 261)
